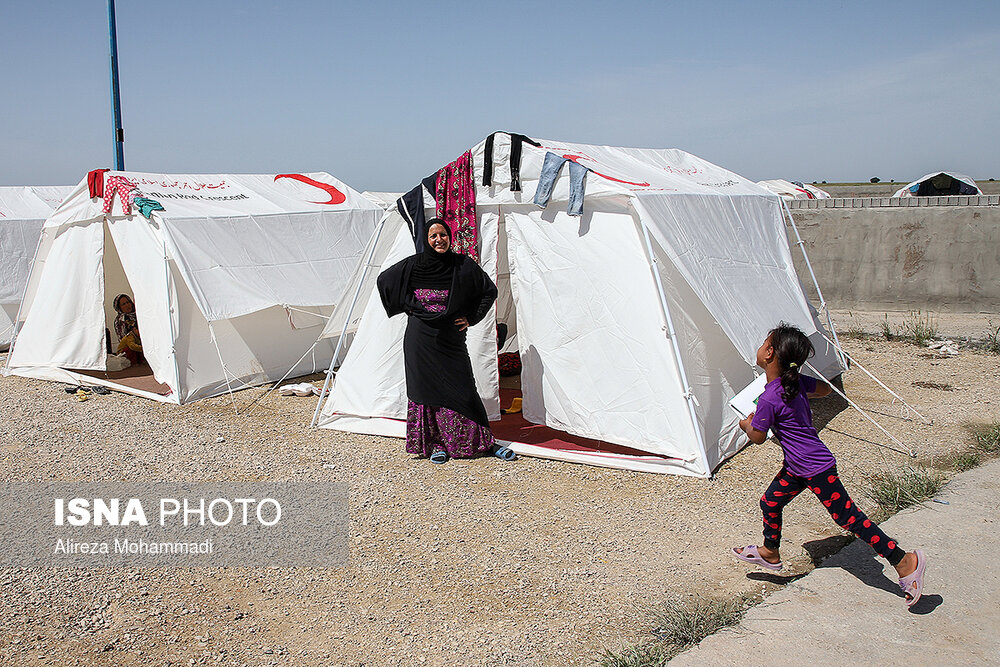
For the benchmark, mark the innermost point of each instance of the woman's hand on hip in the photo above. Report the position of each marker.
(461, 323)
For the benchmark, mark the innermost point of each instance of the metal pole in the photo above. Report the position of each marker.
(116, 105)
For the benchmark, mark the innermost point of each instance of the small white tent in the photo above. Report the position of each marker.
(231, 282)
(23, 209)
(940, 183)
(636, 323)
(794, 189)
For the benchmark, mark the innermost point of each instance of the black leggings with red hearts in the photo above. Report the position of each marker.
(831, 492)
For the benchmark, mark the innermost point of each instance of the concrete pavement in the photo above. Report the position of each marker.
(850, 610)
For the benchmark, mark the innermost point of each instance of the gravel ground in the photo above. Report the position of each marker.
(473, 562)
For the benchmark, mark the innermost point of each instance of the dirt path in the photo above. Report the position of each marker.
(473, 562)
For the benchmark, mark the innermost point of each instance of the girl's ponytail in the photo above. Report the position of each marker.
(793, 348)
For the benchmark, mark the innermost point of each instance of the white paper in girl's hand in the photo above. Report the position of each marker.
(745, 402)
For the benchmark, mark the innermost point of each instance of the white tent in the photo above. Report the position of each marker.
(940, 183)
(794, 189)
(232, 281)
(23, 209)
(383, 199)
(636, 323)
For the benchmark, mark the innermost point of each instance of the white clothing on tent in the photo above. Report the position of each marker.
(796, 190)
(636, 323)
(23, 209)
(231, 281)
(910, 189)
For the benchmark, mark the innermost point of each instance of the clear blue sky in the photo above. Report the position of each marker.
(382, 93)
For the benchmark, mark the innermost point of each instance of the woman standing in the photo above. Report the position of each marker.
(442, 294)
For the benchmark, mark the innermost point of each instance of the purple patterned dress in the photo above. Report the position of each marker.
(433, 428)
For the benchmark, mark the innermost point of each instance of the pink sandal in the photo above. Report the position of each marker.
(913, 584)
(751, 555)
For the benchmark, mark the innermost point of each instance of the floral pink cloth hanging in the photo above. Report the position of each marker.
(456, 204)
(126, 189)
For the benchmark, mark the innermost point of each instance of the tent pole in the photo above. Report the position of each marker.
(170, 319)
(225, 371)
(812, 274)
(879, 382)
(672, 335)
(909, 451)
(377, 234)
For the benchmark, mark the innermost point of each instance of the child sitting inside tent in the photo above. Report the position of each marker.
(127, 328)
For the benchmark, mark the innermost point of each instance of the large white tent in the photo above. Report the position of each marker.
(636, 323)
(940, 183)
(232, 281)
(23, 209)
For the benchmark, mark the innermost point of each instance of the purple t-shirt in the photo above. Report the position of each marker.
(792, 424)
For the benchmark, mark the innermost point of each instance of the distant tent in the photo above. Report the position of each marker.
(635, 322)
(23, 209)
(383, 199)
(940, 183)
(231, 282)
(794, 189)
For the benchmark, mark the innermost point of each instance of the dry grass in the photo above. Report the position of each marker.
(677, 626)
(892, 491)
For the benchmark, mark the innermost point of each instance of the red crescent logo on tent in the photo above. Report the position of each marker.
(336, 196)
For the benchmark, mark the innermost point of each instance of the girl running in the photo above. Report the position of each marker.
(784, 409)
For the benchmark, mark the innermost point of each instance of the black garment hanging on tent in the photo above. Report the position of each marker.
(411, 207)
(516, 142)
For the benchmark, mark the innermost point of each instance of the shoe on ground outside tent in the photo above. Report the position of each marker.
(751, 555)
(515, 406)
(100, 390)
(82, 394)
(504, 453)
(913, 583)
(439, 456)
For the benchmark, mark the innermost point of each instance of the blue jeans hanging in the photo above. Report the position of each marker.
(577, 182)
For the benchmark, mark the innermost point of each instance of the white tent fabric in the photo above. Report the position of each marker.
(383, 199)
(230, 281)
(636, 323)
(796, 190)
(23, 209)
(911, 189)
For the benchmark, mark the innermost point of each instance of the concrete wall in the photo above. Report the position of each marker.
(944, 259)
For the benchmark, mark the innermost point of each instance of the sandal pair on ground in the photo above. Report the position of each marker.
(502, 452)
(912, 584)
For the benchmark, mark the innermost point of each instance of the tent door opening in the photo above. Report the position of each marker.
(513, 427)
(135, 373)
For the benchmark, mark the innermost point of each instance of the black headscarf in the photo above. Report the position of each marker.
(433, 269)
